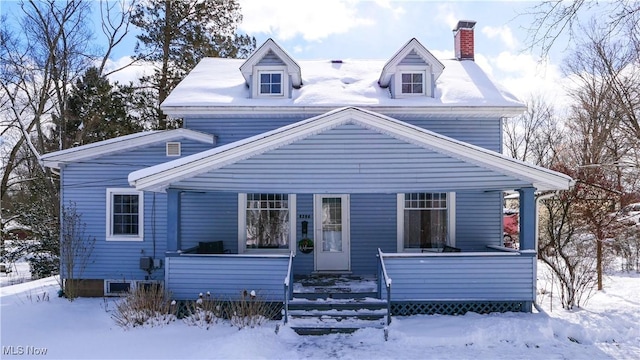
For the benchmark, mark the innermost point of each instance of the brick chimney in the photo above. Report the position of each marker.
(463, 39)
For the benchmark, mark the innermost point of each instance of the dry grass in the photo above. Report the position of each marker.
(250, 311)
(204, 312)
(145, 306)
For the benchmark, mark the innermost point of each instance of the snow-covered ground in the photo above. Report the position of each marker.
(17, 272)
(35, 320)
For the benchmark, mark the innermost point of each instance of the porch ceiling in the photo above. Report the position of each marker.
(347, 151)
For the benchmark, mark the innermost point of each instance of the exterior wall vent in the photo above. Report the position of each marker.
(173, 149)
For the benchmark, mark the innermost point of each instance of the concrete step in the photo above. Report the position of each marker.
(337, 304)
(330, 316)
(334, 295)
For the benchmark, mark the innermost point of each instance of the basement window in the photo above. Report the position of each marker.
(117, 287)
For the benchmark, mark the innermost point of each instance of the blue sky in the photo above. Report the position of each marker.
(340, 29)
(376, 29)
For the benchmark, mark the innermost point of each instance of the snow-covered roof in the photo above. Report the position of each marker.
(217, 85)
(121, 143)
(161, 176)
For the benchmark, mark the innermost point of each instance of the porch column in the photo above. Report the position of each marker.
(527, 219)
(173, 220)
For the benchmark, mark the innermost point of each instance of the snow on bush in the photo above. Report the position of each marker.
(145, 306)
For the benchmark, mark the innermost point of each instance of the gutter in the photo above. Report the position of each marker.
(474, 111)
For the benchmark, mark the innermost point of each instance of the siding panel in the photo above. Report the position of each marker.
(484, 132)
(350, 159)
(462, 277)
(226, 276)
(84, 184)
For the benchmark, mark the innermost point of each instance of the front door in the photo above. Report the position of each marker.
(331, 231)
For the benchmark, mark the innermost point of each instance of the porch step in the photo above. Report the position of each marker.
(334, 295)
(331, 315)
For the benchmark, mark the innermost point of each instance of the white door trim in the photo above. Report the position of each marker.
(327, 261)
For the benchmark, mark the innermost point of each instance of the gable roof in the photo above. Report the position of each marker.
(293, 69)
(162, 176)
(413, 45)
(119, 144)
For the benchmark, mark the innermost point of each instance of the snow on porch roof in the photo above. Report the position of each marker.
(162, 176)
(216, 84)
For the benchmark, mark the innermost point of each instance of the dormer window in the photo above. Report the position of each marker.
(412, 83)
(271, 73)
(411, 72)
(271, 83)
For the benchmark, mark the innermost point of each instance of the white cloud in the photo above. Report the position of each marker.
(129, 73)
(503, 33)
(313, 20)
(524, 76)
(387, 6)
(446, 14)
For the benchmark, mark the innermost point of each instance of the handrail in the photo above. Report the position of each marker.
(387, 281)
(287, 288)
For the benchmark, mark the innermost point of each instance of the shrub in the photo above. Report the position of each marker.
(204, 312)
(250, 311)
(145, 305)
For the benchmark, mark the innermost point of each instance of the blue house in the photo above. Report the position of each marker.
(283, 169)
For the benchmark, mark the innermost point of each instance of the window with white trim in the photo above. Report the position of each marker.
(125, 214)
(425, 221)
(266, 221)
(412, 83)
(271, 83)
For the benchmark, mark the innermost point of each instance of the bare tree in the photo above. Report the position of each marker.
(553, 19)
(535, 136)
(76, 249)
(44, 48)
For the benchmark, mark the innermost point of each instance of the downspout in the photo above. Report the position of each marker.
(541, 197)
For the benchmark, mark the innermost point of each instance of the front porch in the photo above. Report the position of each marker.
(497, 280)
(370, 192)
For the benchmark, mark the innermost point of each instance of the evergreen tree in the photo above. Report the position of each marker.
(178, 34)
(98, 110)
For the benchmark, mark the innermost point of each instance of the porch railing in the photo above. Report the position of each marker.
(288, 288)
(383, 276)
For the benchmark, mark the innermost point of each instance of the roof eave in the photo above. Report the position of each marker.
(464, 110)
(55, 159)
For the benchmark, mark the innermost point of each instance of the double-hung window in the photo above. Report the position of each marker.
(425, 221)
(266, 221)
(125, 214)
